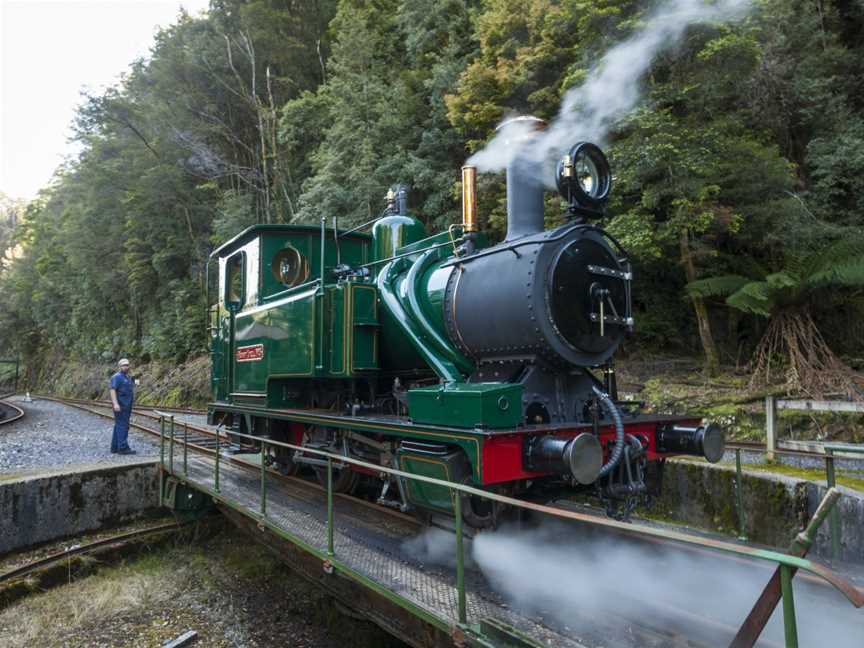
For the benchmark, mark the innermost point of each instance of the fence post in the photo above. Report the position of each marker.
(770, 430)
(263, 483)
(460, 559)
(161, 460)
(186, 448)
(790, 627)
(171, 449)
(216, 473)
(739, 494)
(330, 551)
(834, 519)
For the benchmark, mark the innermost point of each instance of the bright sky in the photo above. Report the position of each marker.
(49, 52)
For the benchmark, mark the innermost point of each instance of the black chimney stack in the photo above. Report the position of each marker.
(524, 184)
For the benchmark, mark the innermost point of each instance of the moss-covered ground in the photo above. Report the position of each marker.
(229, 589)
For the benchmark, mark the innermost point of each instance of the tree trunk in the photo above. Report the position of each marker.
(712, 363)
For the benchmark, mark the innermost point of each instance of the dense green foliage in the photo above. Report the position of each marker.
(747, 151)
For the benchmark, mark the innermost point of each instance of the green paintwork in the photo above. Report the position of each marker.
(450, 467)
(491, 405)
(420, 309)
(469, 440)
(393, 232)
(393, 288)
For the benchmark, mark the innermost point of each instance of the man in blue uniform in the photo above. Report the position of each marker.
(122, 395)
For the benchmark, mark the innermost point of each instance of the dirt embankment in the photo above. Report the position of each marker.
(160, 382)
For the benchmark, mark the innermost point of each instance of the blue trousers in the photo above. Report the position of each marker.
(119, 441)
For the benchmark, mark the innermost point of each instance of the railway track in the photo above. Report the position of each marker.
(8, 411)
(91, 547)
(205, 440)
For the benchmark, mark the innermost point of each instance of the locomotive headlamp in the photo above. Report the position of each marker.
(584, 179)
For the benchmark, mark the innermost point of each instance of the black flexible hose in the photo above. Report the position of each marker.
(619, 432)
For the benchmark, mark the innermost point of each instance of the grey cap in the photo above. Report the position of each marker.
(123, 362)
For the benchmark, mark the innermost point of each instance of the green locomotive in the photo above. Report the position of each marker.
(442, 355)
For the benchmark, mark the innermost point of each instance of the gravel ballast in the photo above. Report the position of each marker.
(52, 435)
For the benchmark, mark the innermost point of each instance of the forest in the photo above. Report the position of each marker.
(738, 175)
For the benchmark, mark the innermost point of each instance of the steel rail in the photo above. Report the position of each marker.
(223, 438)
(747, 446)
(17, 412)
(107, 403)
(121, 538)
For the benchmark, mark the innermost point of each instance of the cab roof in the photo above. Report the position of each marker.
(248, 233)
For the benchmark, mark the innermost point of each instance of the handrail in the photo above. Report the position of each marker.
(854, 594)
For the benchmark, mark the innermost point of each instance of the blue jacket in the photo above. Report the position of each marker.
(123, 385)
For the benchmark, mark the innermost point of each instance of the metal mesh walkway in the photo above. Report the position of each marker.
(365, 540)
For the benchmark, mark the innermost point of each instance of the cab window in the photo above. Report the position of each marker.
(234, 281)
(289, 267)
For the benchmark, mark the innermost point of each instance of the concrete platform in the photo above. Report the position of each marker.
(39, 506)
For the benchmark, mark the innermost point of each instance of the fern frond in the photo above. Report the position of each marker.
(715, 286)
(849, 274)
(782, 280)
(840, 252)
(754, 297)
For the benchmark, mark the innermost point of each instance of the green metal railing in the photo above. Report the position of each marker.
(787, 565)
(830, 479)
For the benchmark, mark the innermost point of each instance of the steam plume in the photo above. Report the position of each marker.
(612, 88)
(593, 583)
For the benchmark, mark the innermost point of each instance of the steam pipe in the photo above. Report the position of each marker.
(414, 309)
(619, 432)
(445, 369)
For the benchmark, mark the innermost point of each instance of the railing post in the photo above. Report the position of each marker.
(171, 449)
(216, 469)
(739, 494)
(790, 627)
(460, 559)
(834, 516)
(771, 439)
(263, 482)
(161, 460)
(186, 448)
(330, 549)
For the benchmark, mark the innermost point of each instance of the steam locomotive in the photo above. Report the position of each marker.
(442, 355)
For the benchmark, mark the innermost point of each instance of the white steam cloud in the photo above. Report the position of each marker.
(612, 88)
(597, 585)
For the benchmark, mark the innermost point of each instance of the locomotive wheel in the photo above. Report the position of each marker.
(344, 479)
(478, 512)
(281, 459)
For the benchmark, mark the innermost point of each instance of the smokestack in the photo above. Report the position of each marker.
(524, 185)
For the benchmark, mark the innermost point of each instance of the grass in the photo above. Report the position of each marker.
(809, 474)
(228, 588)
